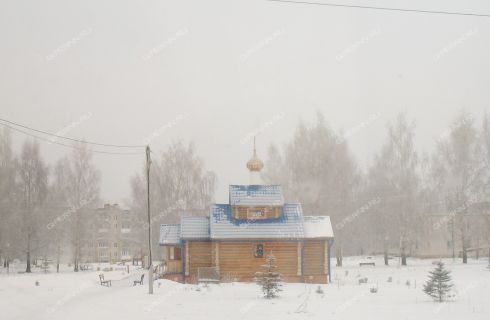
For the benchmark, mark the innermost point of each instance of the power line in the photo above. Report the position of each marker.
(71, 139)
(66, 145)
(383, 8)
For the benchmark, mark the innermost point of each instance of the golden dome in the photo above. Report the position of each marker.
(255, 164)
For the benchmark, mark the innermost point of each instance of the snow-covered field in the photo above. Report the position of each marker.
(73, 296)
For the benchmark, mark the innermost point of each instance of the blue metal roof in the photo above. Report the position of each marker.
(259, 195)
(224, 226)
(169, 234)
(194, 228)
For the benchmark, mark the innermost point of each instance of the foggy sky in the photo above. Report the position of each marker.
(216, 72)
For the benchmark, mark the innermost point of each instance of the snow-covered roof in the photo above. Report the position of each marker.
(224, 226)
(169, 234)
(194, 228)
(317, 227)
(258, 195)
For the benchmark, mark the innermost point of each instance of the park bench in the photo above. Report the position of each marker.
(363, 280)
(85, 267)
(104, 282)
(366, 264)
(140, 281)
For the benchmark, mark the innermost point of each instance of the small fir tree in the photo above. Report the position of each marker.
(439, 285)
(269, 280)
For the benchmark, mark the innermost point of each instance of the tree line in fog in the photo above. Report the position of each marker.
(403, 197)
(391, 207)
(48, 212)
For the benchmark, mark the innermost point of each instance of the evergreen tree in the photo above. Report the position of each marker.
(439, 284)
(269, 280)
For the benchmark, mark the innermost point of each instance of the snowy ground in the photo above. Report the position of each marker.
(79, 296)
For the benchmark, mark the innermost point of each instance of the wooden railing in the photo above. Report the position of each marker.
(173, 266)
(207, 274)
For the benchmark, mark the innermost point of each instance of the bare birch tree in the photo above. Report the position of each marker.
(179, 185)
(33, 181)
(318, 170)
(81, 181)
(485, 142)
(58, 198)
(8, 194)
(397, 164)
(461, 172)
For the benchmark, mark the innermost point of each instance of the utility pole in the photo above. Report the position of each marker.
(150, 262)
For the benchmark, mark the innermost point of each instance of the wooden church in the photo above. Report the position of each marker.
(234, 240)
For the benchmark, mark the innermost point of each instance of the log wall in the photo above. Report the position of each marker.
(314, 258)
(237, 259)
(200, 255)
